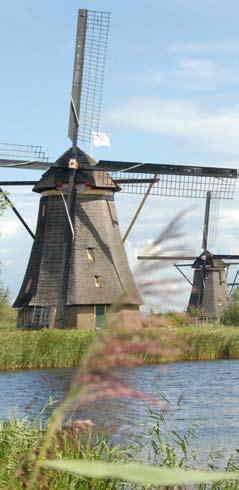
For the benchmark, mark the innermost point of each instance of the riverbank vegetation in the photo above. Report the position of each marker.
(20, 442)
(65, 348)
(43, 348)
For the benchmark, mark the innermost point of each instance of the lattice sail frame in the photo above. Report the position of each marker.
(28, 153)
(93, 73)
(171, 185)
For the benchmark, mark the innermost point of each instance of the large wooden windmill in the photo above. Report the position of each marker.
(78, 266)
(209, 295)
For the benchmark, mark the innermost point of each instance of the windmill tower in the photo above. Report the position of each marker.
(210, 293)
(209, 288)
(78, 266)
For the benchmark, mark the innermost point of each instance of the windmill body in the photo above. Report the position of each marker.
(96, 271)
(209, 295)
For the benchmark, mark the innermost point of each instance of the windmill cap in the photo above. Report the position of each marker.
(74, 154)
(58, 173)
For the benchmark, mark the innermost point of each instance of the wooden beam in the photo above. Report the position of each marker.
(139, 209)
(17, 213)
(19, 182)
(166, 257)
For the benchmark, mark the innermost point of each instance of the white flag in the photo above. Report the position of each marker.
(100, 139)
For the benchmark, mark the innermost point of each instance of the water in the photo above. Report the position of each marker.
(202, 395)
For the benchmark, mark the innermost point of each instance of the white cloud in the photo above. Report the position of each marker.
(229, 217)
(185, 121)
(226, 46)
(203, 73)
(9, 228)
(188, 72)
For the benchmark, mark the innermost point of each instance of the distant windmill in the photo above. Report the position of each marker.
(78, 266)
(209, 294)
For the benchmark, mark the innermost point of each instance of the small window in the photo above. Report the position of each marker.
(97, 281)
(27, 288)
(43, 210)
(91, 254)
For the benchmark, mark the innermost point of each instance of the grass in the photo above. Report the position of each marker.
(198, 343)
(19, 446)
(20, 443)
(43, 348)
(65, 348)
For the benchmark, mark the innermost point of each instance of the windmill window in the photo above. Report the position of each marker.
(91, 254)
(27, 288)
(97, 281)
(43, 210)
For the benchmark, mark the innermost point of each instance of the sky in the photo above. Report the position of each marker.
(170, 96)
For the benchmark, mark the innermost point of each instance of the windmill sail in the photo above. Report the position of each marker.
(206, 222)
(77, 76)
(174, 180)
(88, 74)
(213, 223)
(19, 156)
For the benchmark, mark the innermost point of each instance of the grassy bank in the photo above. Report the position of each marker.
(42, 349)
(197, 343)
(57, 348)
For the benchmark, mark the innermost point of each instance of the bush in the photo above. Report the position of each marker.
(165, 320)
(7, 314)
(231, 314)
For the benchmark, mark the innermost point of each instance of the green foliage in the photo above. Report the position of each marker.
(147, 474)
(164, 320)
(195, 311)
(178, 319)
(97, 464)
(43, 348)
(196, 343)
(231, 314)
(7, 313)
(19, 445)
(3, 203)
(65, 348)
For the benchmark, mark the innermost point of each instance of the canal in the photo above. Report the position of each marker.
(203, 396)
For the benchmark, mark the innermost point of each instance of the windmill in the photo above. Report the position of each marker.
(209, 288)
(78, 266)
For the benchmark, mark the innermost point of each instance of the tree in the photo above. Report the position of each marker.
(231, 314)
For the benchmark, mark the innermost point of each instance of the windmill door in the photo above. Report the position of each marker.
(100, 316)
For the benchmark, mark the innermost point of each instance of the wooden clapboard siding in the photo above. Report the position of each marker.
(104, 280)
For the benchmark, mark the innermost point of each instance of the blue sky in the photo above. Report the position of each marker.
(170, 95)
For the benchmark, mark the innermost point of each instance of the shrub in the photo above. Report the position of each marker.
(165, 320)
(7, 313)
(231, 314)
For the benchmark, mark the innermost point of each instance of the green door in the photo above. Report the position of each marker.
(100, 316)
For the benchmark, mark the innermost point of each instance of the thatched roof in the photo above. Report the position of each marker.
(59, 173)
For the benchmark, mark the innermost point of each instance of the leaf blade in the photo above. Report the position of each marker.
(138, 472)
